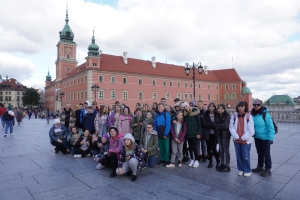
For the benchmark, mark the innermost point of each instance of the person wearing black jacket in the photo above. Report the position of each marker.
(221, 124)
(83, 146)
(209, 134)
(78, 124)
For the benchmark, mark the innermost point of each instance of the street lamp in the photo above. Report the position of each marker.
(95, 88)
(194, 66)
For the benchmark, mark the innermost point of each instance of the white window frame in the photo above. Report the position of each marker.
(233, 87)
(140, 92)
(191, 96)
(111, 94)
(167, 95)
(208, 97)
(101, 81)
(140, 79)
(124, 78)
(186, 96)
(154, 98)
(171, 83)
(226, 87)
(125, 97)
(199, 96)
(112, 79)
(233, 95)
(99, 97)
(154, 82)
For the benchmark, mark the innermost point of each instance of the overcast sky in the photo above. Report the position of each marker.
(262, 37)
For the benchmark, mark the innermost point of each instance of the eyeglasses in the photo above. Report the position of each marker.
(256, 105)
(149, 127)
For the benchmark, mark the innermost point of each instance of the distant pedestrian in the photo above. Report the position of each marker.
(2, 111)
(19, 116)
(9, 118)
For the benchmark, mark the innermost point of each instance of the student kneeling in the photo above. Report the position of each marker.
(131, 158)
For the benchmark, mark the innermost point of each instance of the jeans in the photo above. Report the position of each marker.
(149, 160)
(176, 148)
(47, 120)
(224, 143)
(263, 148)
(242, 152)
(164, 148)
(2, 121)
(67, 144)
(130, 165)
(103, 130)
(9, 124)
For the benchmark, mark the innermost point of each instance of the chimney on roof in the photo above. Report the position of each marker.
(153, 62)
(205, 70)
(125, 57)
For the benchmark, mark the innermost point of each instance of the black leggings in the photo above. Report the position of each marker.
(212, 146)
(185, 149)
(110, 161)
(193, 148)
(83, 153)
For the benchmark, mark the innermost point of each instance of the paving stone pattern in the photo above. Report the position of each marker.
(29, 169)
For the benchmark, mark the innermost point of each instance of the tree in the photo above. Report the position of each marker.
(31, 97)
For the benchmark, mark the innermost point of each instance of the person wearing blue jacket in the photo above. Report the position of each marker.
(58, 134)
(264, 133)
(89, 120)
(162, 126)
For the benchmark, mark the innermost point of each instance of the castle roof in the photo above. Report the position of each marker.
(281, 99)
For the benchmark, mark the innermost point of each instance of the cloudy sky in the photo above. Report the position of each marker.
(262, 37)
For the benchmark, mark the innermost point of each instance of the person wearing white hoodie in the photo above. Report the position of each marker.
(131, 158)
(242, 129)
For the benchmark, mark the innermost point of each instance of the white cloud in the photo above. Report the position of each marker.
(256, 33)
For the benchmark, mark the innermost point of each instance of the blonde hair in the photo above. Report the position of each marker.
(129, 147)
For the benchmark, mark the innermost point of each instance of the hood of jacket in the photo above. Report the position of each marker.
(192, 112)
(260, 111)
(153, 132)
(130, 137)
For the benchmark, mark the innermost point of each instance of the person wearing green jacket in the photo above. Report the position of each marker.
(149, 144)
(193, 132)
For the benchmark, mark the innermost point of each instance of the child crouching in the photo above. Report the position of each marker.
(131, 158)
(104, 146)
(83, 145)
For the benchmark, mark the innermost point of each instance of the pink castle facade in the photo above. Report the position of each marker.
(130, 80)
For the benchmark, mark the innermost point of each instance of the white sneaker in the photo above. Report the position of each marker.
(99, 166)
(196, 164)
(12, 134)
(170, 165)
(191, 163)
(247, 174)
(77, 156)
(240, 173)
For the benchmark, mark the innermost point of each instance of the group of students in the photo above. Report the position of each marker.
(128, 142)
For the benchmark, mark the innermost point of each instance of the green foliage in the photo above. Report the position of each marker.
(31, 97)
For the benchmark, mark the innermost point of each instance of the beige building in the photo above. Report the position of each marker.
(11, 92)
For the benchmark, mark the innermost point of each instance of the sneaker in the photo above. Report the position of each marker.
(77, 156)
(266, 173)
(179, 164)
(113, 174)
(196, 164)
(191, 163)
(170, 165)
(134, 177)
(99, 166)
(240, 173)
(5, 135)
(225, 169)
(220, 167)
(258, 169)
(55, 150)
(185, 159)
(12, 134)
(166, 163)
(247, 174)
(160, 162)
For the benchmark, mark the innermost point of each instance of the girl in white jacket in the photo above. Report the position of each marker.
(242, 129)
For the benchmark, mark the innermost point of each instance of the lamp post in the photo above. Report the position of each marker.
(62, 94)
(95, 88)
(194, 66)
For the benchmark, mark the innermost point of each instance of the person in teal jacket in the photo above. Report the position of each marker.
(263, 136)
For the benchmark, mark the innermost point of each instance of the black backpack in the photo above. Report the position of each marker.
(6, 116)
(274, 123)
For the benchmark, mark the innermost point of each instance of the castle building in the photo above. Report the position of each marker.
(131, 80)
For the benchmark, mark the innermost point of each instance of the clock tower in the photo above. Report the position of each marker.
(66, 51)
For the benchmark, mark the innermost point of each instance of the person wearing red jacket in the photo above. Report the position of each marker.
(2, 111)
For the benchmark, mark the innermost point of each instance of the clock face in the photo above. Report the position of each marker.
(68, 50)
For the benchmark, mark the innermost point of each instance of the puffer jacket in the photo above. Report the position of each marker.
(54, 136)
(221, 124)
(152, 146)
(263, 130)
(193, 123)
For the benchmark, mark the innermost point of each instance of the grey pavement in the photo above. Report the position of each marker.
(29, 169)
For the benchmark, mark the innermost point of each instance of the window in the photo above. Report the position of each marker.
(226, 87)
(101, 78)
(167, 96)
(208, 97)
(178, 84)
(178, 95)
(140, 95)
(77, 96)
(233, 96)
(73, 95)
(208, 86)
(113, 94)
(199, 97)
(68, 56)
(125, 94)
(124, 80)
(185, 84)
(154, 95)
(165, 83)
(140, 81)
(81, 95)
(80, 79)
(226, 96)
(85, 94)
(233, 87)
(85, 78)
(217, 97)
(191, 96)
(185, 96)
(17, 93)
(199, 85)
(113, 79)
(101, 94)
(171, 83)
(153, 82)
(191, 85)
(217, 87)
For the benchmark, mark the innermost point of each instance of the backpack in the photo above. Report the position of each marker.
(274, 123)
(6, 116)
(235, 115)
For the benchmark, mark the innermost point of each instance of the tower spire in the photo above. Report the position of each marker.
(93, 38)
(67, 14)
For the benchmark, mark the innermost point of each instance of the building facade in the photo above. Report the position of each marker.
(131, 80)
